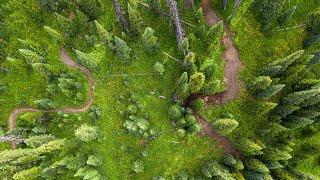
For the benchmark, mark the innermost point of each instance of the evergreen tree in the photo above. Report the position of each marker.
(92, 59)
(278, 67)
(215, 171)
(54, 34)
(275, 154)
(286, 15)
(299, 97)
(45, 103)
(30, 56)
(92, 8)
(313, 23)
(256, 165)
(225, 126)
(134, 18)
(196, 82)
(104, 35)
(216, 31)
(182, 86)
(150, 41)
(155, 5)
(31, 173)
(86, 133)
(268, 12)
(122, 50)
(249, 147)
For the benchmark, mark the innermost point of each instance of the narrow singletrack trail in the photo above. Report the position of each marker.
(71, 63)
(232, 66)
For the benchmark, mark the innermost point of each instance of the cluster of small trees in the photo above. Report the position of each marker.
(136, 121)
(184, 119)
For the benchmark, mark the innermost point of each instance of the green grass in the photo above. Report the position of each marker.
(168, 154)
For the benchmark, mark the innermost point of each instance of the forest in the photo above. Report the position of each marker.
(160, 89)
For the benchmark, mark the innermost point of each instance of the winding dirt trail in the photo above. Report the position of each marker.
(232, 66)
(69, 62)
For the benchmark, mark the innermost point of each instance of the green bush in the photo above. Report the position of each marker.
(175, 112)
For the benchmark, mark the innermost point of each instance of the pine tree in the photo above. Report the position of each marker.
(36, 141)
(31, 56)
(45, 103)
(54, 34)
(249, 147)
(275, 154)
(278, 67)
(182, 86)
(155, 5)
(295, 122)
(91, 59)
(256, 165)
(104, 35)
(215, 171)
(122, 50)
(299, 97)
(216, 31)
(313, 23)
(268, 12)
(150, 41)
(134, 18)
(196, 82)
(259, 84)
(225, 126)
(31, 173)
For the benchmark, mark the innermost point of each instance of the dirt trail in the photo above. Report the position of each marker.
(232, 62)
(232, 66)
(69, 62)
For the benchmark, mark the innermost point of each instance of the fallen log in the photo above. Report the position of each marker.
(174, 13)
(122, 20)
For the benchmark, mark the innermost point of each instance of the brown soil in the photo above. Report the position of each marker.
(232, 67)
(69, 62)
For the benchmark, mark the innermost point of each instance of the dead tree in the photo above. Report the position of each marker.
(224, 4)
(122, 20)
(189, 4)
(180, 33)
(11, 138)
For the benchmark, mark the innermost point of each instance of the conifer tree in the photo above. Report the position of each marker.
(122, 50)
(31, 173)
(196, 82)
(225, 126)
(249, 147)
(54, 34)
(134, 18)
(105, 36)
(182, 85)
(86, 133)
(256, 165)
(150, 41)
(278, 67)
